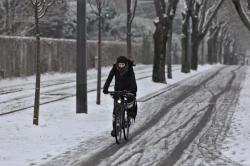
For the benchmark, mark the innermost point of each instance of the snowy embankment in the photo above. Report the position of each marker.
(237, 144)
(61, 129)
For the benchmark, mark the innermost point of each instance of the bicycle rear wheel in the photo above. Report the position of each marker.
(118, 126)
(126, 125)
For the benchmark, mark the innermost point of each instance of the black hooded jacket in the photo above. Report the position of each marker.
(123, 81)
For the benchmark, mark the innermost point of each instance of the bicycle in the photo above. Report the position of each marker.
(122, 120)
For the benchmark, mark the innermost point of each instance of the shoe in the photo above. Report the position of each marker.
(113, 133)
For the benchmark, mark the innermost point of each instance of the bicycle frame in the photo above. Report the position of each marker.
(121, 123)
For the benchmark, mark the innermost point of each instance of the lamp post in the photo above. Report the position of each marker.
(81, 68)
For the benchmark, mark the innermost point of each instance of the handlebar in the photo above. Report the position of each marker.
(121, 93)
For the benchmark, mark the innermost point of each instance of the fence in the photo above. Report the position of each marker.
(17, 55)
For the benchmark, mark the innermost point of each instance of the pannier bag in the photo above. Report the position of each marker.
(132, 109)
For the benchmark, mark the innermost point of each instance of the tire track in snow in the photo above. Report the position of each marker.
(179, 149)
(95, 160)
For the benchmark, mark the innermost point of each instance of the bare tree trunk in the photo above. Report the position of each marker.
(169, 59)
(159, 55)
(227, 53)
(176, 59)
(234, 56)
(185, 68)
(200, 28)
(195, 44)
(160, 39)
(37, 91)
(220, 52)
(99, 73)
(162, 33)
(216, 44)
(195, 60)
(129, 15)
(213, 50)
(245, 19)
(203, 52)
(40, 8)
(210, 50)
(98, 59)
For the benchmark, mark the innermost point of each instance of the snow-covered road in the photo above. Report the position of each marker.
(61, 129)
(181, 123)
(184, 126)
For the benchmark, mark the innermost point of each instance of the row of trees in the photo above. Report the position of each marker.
(197, 16)
(198, 21)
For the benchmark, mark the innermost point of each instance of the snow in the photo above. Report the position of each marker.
(237, 145)
(156, 20)
(60, 128)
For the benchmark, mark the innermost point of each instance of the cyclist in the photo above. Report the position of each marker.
(124, 81)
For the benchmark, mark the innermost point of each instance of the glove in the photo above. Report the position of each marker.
(105, 91)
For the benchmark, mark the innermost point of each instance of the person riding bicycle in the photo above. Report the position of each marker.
(124, 80)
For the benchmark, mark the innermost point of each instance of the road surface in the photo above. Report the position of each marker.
(184, 126)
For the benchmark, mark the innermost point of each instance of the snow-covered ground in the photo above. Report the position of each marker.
(61, 129)
(237, 144)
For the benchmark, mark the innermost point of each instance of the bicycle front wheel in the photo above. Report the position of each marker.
(118, 126)
(126, 125)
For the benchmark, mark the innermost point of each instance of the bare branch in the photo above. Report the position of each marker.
(41, 8)
(51, 3)
(33, 2)
(245, 19)
(203, 14)
(133, 14)
(103, 3)
(90, 4)
(39, 3)
(170, 4)
(208, 23)
(43, 12)
(158, 10)
(99, 6)
(162, 2)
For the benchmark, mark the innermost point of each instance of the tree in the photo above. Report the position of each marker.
(186, 15)
(55, 22)
(40, 9)
(163, 23)
(17, 16)
(220, 41)
(131, 8)
(169, 33)
(212, 44)
(9, 10)
(99, 5)
(202, 17)
(244, 17)
(227, 43)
